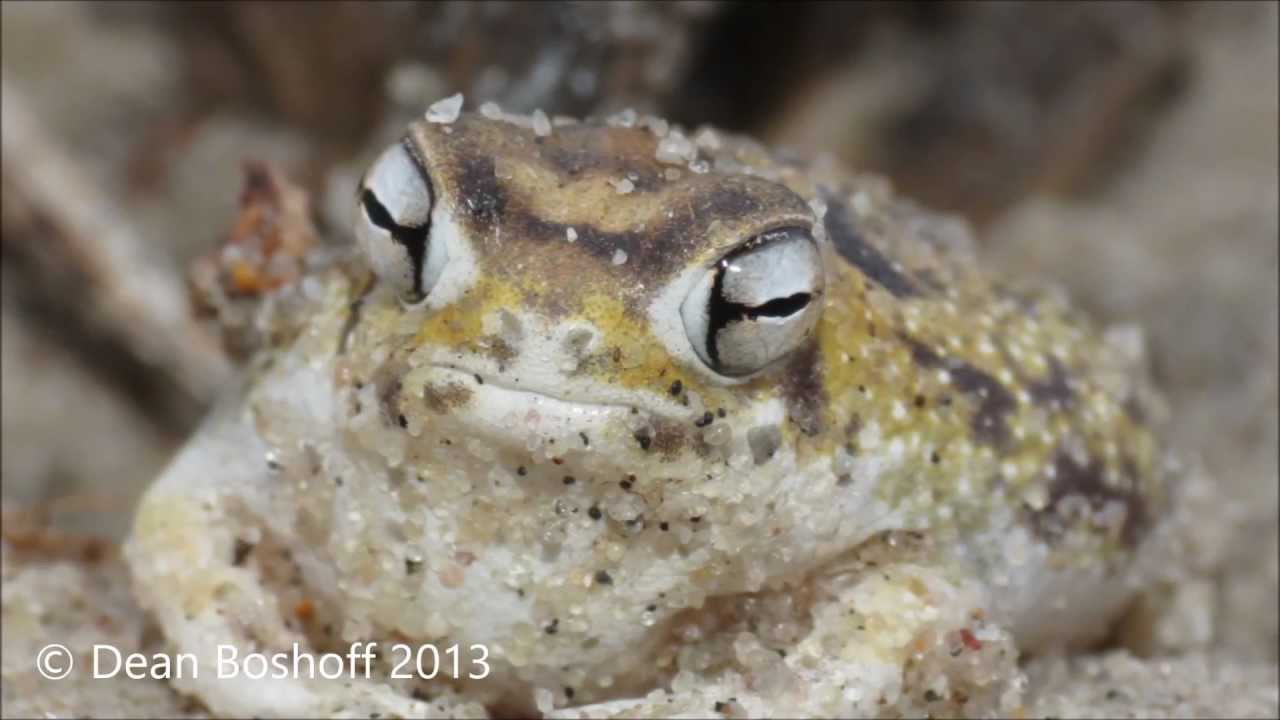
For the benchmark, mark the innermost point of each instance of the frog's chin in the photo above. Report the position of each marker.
(505, 413)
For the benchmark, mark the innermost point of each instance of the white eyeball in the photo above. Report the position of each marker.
(393, 223)
(756, 304)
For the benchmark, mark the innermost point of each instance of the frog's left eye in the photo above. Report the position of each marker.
(757, 303)
(393, 223)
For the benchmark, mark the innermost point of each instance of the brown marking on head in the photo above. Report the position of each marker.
(517, 195)
(804, 391)
(578, 150)
(657, 250)
(669, 437)
(443, 397)
(483, 198)
(855, 248)
(497, 348)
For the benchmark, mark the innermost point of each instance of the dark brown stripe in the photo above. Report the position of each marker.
(850, 244)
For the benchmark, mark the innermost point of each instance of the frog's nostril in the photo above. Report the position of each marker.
(577, 346)
(512, 328)
(576, 342)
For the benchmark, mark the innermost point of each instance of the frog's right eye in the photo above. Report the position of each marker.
(757, 304)
(393, 223)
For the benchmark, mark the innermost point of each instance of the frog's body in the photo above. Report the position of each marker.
(539, 457)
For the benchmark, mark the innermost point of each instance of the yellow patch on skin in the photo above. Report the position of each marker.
(460, 325)
(642, 363)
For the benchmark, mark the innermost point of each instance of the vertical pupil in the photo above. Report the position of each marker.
(719, 314)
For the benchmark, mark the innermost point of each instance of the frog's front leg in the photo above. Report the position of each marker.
(191, 566)
(899, 639)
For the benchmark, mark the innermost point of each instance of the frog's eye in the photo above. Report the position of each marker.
(393, 223)
(756, 304)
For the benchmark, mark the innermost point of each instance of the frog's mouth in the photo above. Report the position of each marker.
(502, 409)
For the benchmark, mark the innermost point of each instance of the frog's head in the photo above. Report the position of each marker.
(557, 283)
(593, 362)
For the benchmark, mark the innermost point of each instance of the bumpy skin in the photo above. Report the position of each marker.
(534, 458)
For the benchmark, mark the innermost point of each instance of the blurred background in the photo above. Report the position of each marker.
(1127, 151)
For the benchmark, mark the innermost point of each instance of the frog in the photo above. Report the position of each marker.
(642, 421)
